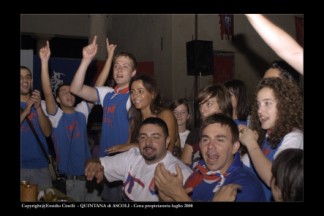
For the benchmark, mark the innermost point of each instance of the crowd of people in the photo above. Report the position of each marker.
(149, 151)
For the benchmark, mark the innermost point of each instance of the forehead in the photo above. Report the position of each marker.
(265, 92)
(123, 60)
(138, 84)
(181, 107)
(151, 128)
(24, 72)
(217, 129)
(272, 72)
(209, 99)
(64, 88)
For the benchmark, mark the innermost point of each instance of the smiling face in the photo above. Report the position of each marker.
(25, 81)
(267, 108)
(140, 96)
(217, 148)
(152, 143)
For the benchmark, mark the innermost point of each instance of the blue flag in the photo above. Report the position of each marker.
(61, 71)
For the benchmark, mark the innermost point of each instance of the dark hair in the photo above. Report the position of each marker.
(26, 68)
(222, 95)
(128, 55)
(177, 102)
(157, 121)
(286, 71)
(156, 106)
(223, 120)
(290, 110)
(58, 89)
(240, 92)
(288, 174)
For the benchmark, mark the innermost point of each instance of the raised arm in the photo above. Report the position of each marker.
(77, 86)
(280, 41)
(44, 55)
(262, 165)
(43, 120)
(106, 69)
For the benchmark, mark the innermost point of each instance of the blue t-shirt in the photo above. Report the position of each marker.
(269, 154)
(31, 154)
(205, 183)
(115, 121)
(70, 139)
(240, 122)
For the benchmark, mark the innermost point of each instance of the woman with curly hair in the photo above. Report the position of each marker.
(276, 124)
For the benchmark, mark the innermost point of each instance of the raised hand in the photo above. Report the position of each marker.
(91, 50)
(29, 103)
(247, 135)
(110, 48)
(36, 99)
(45, 52)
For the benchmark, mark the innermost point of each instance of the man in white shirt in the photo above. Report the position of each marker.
(136, 167)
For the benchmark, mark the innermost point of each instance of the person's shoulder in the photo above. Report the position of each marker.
(134, 151)
(104, 89)
(167, 115)
(165, 112)
(243, 175)
(171, 161)
(294, 133)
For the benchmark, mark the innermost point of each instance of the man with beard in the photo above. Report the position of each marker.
(136, 167)
(33, 162)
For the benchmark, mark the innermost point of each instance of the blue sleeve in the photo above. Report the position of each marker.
(251, 189)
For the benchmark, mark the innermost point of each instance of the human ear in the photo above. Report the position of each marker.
(236, 147)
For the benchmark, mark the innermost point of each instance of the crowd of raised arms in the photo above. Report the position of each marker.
(239, 151)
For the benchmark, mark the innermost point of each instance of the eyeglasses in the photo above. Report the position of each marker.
(180, 113)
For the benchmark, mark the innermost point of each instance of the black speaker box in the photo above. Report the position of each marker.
(200, 57)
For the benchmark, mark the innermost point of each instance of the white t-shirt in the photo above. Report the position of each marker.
(294, 139)
(138, 177)
(183, 137)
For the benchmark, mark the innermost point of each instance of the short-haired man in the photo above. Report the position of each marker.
(221, 165)
(136, 167)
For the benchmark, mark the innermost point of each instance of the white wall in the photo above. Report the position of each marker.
(26, 59)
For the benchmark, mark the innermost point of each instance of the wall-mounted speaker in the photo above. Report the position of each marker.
(200, 57)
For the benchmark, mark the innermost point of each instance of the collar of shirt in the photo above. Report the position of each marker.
(121, 91)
